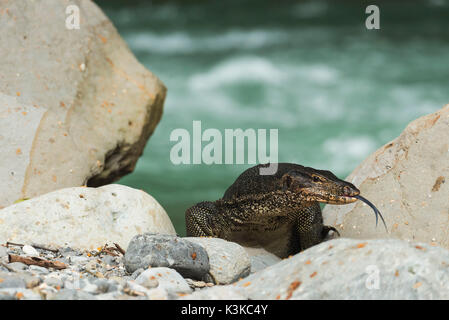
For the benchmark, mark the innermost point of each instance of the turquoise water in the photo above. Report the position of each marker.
(335, 90)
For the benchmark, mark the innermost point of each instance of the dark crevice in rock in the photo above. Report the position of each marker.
(118, 162)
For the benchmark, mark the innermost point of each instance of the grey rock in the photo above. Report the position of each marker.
(109, 260)
(39, 270)
(78, 259)
(147, 281)
(3, 252)
(17, 266)
(216, 293)
(54, 281)
(68, 252)
(11, 281)
(18, 294)
(105, 285)
(260, 258)
(228, 260)
(31, 281)
(92, 265)
(137, 273)
(71, 294)
(7, 295)
(88, 286)
(158, 250)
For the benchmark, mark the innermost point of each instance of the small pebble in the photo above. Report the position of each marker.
(30, 251)
(17, 266)
(3, 252)
(38, 269)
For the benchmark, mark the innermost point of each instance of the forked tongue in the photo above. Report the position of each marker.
(376, 211)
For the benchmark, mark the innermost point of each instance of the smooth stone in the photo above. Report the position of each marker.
(261, 259)
(111, 213)
(18, 294)
(3, 252)
(109, 260)
(30, 251)
(160, 250)
(17, 266)
(54, 282)
(78, 259)
(216, 293)
(148, 282)
(8, 281)
(82, 109)
(71, 294)
(407, 179)
(38, 269)
(228, 260)
(32, 281)
(165, 278)
(385, 269)
(106, 285)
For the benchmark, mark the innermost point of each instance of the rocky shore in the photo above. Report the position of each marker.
(166, 267)
(155, 266)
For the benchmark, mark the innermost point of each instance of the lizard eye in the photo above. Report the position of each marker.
(316, 179)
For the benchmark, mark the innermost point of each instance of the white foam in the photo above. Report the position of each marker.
(235, 70)
(183, 42)
(318, 73)
(354, 147)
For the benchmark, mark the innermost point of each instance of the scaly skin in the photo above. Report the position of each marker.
(279, 212)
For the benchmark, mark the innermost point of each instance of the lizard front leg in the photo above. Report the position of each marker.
(309, 226)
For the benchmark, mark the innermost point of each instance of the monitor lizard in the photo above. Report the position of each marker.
(279, 212)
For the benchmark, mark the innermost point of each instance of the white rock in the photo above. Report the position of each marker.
(157, 294)
(84, 218)
(168, 279)
(30, 251)
(352, 269)
(398, 178)
(228, 260)
(65, 121)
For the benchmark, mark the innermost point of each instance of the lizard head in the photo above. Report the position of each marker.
(323, 186)
(319, 185)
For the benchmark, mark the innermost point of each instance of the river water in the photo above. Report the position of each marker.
(334, 90)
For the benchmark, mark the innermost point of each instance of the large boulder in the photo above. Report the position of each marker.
(84, 218)
(406, 179)
(76, 107)
(348, 269)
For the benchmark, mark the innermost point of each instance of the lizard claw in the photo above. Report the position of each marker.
(326, 230)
